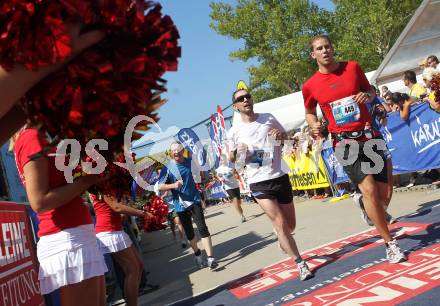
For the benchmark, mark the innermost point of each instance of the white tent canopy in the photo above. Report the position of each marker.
(289, 110)
(419, 39)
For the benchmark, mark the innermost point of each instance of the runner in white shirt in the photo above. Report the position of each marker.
(226, 174)
(255, 143)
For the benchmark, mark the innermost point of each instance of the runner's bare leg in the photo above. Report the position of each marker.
(281, 225)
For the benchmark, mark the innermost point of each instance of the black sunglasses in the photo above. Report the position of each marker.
(241, 98)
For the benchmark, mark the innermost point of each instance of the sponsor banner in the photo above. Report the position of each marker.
(379, 284)
(334, 168)
(415, 143)
(220, 128)
(18, 263)
(307, 172)
(149, 175)
(215, 191)
(215, 144)
(217, 133)
(191, 141)
(286, 270)
(15, 188)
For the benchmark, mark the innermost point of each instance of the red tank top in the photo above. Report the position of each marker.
(69, 215)
(107, 220)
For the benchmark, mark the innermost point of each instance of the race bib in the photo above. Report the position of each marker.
(261, 157)
(227, 175)
(345, 110)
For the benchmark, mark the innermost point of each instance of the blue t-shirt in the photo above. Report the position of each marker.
(188, 192)
(169, 200)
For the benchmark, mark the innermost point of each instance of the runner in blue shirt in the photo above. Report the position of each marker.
(177, 177)
(172, 217)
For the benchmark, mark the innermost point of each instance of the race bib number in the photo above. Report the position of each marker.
(261, 157)
(345, 111)
(227, 175)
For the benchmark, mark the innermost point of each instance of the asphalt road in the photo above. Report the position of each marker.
(242, 248)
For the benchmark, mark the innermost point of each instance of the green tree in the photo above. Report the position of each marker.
(275, 34)
(365, 30)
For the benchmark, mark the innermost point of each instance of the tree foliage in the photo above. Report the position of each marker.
(366, 30)
(276, 33)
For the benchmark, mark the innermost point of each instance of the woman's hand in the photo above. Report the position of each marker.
(79, 42)
(14, 84)
(178, 184)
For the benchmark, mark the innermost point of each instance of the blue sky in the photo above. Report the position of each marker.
(205, 77)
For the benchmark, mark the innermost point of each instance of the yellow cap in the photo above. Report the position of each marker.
(242, 85)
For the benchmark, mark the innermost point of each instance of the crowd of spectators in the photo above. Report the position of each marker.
(416, 93)
(387, 102)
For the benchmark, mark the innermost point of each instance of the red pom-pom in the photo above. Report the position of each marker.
(159, 210)
(99, 91)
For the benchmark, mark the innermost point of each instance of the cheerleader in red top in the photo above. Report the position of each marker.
(112, 239)
(67, 251)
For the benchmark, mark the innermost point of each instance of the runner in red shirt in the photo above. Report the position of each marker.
(67, 251)
(112, 239)
(342, 91)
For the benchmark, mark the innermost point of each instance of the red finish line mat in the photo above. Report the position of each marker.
(350, 271)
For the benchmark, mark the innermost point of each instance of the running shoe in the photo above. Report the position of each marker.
(304, 272)
(390, 218)
(199, 261)
(357, 198)
(243, 219)
(212, 263)
(394, 253)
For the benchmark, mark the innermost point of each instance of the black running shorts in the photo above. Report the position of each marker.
(355, 171)
(279, 189)
(234, 193)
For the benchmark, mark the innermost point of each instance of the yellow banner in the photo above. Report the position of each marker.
(305, 174)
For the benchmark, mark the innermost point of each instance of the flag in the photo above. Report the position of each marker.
(191, 141)
(213, 132)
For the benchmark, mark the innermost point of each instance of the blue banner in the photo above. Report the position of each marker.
(191, 141)
(415, 143)
(149, 175)
(216, 191)
(334, 168)
(15, 187)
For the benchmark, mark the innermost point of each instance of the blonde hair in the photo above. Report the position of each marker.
(429, 72)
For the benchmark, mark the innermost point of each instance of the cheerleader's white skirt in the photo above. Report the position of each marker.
(69, 257)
